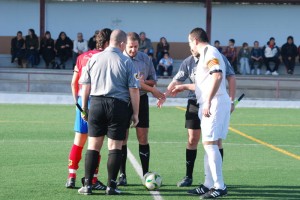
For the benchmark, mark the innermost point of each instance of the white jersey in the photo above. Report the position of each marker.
(211, 61)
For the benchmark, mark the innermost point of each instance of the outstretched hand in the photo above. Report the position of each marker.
(176, 90)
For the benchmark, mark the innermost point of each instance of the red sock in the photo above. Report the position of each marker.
(74, 158)
(95, 178)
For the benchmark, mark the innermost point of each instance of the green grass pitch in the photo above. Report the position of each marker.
(35, 141)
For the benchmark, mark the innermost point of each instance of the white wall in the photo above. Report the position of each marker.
(18, 16)
(247, 23)
(174, 21)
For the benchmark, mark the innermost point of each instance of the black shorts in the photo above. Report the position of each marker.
(106, 117)
(143, 112)
(192, 120)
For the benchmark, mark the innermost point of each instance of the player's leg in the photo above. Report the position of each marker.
(142, 133)
(221, 149)
(192, 123)
(215, 128)
(116, 134)
(123, 177)
(81, 129)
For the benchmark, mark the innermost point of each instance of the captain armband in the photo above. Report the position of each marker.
(215, 71)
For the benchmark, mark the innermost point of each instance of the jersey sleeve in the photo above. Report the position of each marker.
(212, 61)
(182, 73)
(85, 77)
(152, 72)
(132, 75)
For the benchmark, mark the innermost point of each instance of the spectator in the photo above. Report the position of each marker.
(244, 58)
(92, 41)
(289, 54)
(80, 46)
(31, 46)
(256, 58)
(145, 43)
(217, 45)
(165, 66)
(63, 46)
(271, 53)
(162, 47)
(231, 55)
(17, 48)
(47, 50)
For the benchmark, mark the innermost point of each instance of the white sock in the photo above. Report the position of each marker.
(208, 182)
(215, 165)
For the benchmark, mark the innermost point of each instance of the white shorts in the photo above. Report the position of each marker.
(216, 126)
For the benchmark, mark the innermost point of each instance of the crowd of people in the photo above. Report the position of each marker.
(250, 61)
(246, 60)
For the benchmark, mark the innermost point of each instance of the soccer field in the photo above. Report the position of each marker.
(262, 154)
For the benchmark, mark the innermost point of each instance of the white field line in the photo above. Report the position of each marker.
(135, 142)
(139, 171)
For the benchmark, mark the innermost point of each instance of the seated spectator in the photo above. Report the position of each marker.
(32, 46)
(145, 43)
(244, 58)
(92, 41)
(162, 47)
(80, 46)
(289, 54)
(256, 58)
(217, 45)
(231, 54)
(165, 65)
(271, 53)
(17, 48)
(63, 46)
(47, 50)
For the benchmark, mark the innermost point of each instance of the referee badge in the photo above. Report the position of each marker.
(136, 76)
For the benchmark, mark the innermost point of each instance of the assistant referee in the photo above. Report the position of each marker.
(111, 80)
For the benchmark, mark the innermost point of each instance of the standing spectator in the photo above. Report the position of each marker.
(162, 47)
(256, 58)
(271, 53)
(32, 45)
(110, 79)
(289, 54)
(217, 45)
(80, 46)
(47, 50)
(145, 43)
(63, 46)
(231, 55)
(17, 48)
(244, 57)
(92, 41)
(165, 65)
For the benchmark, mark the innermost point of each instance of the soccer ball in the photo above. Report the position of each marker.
(152, 181)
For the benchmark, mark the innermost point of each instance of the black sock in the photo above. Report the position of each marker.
(91, 163)
(124, 158)
(222, 153)
(190, 161)
(144, 151)
(113, 166)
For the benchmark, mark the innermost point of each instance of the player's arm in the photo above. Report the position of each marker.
(86, 89)
(135, 102)
(155, 92)
(231, 90)
(74, 86)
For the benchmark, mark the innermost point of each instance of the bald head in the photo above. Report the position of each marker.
(117, 37)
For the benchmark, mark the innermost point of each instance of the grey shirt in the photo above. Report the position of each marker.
(110, 74)
(144, 66)
(146, 44)
(187, 70)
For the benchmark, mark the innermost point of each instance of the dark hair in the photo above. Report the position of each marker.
(217, 41)
(61, 34)
(141, 33)
(290, 37)
(19, 32)
(255, 42)
(272, 38)
(245, 44)
(33, 33)
(232, 40)
(102, 37)
(199, 34)
(133, 36)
